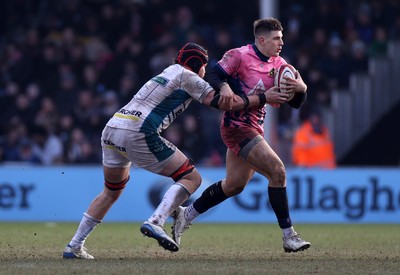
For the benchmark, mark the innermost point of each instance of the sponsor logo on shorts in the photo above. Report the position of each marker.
(110, 143)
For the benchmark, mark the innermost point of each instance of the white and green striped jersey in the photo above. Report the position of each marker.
(161, 100)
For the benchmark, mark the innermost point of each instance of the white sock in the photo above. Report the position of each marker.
(288, 231)
(86, 226)
(174, 197)
(191, 213)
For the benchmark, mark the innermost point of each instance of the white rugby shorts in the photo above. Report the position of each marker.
(123, 148)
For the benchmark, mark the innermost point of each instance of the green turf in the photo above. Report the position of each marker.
(119, 248)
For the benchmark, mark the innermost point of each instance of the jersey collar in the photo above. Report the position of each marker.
(259, 54)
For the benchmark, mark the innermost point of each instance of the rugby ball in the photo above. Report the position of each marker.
(284, 70)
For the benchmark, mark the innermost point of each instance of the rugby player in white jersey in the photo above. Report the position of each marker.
(132, 137)
(246, 71)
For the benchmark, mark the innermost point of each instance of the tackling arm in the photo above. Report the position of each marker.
(216, 77)
(239, 102)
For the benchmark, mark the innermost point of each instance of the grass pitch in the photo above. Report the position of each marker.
(119, 248)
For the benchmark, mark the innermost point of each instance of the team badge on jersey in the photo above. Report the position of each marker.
(272, 72)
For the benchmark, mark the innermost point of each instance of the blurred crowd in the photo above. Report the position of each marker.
(66, 66)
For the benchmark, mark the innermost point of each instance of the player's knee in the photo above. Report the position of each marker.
(233, 190)
(116, 186)
(237, 190)
(196, 178)
(186, 170)
(279, 176)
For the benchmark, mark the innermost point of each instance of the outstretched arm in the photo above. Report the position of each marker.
(243, 102)
(217, 79)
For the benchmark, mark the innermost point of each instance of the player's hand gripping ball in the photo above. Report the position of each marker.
(284, 70)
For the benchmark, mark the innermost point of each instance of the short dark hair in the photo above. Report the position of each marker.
(266, 25)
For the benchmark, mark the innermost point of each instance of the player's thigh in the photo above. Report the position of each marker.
(173, 163)
(263, 159)
(116, 164)
(238, 174)
(122, 147)
(116, 174)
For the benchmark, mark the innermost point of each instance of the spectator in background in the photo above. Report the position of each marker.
(109, 105)
(90, 79)
(127, 87)
(319, 40)
(26, 153)
(74, 56)
(16, 64)
(85, 108)
(79, 149)
(46, 70)
(359, 57)
(87, 113)
(47, 146)
(33, 93)
(67, 94)
(162, 58)
(10, 145)
(223, 42)
(184, 24)
(379, 44)
(363, 22)
(47, 115)
(17, 146)
(24, 108)
(73, 150)
(7, 102)
(312, 144)
(65, 133)
(335, 64)
(88, 154)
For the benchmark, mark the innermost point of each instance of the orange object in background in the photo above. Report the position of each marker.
(312, 144)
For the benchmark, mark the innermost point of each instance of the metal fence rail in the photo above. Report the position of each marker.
(369, 97)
